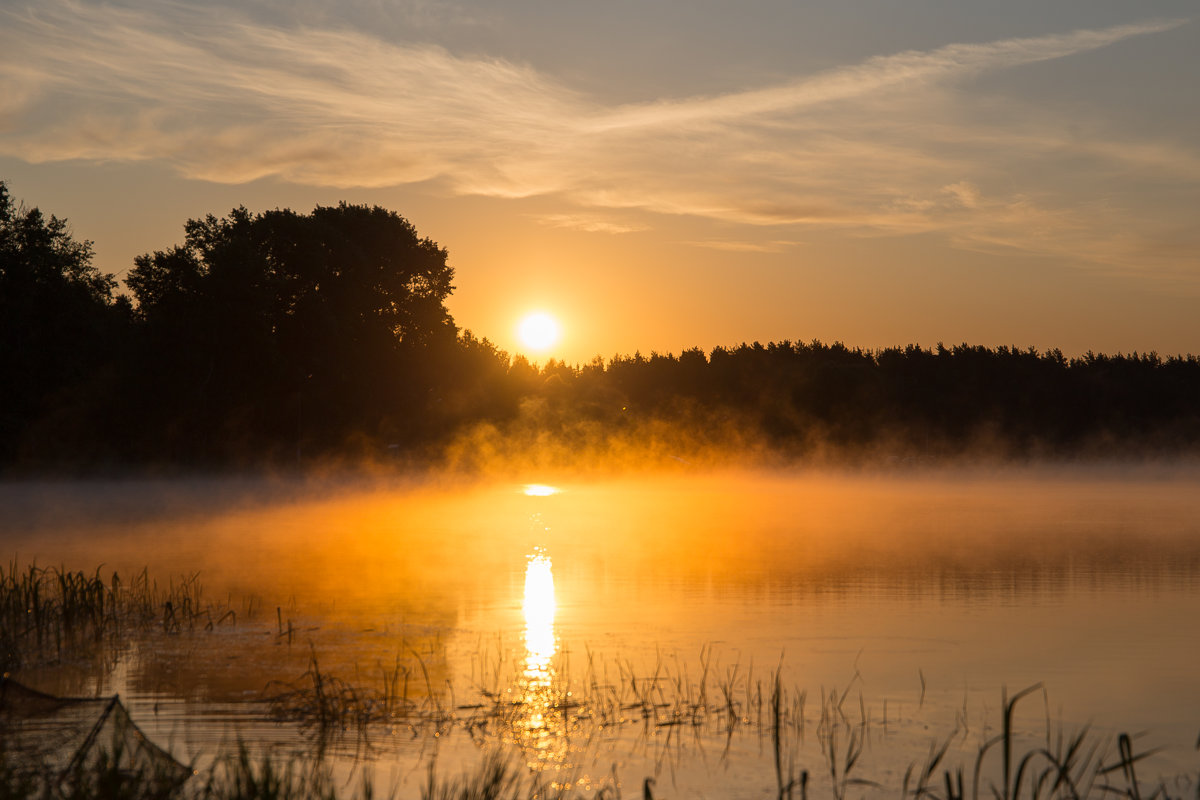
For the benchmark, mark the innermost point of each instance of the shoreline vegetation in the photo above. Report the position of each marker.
(298, 341)
(522, 724)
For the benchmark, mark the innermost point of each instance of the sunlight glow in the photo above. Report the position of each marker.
(538, 331)
(539, 490)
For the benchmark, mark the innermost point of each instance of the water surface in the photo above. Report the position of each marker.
(923, 595)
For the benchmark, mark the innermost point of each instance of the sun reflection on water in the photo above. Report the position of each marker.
(540, 729)
(539, 608)
(539, 490)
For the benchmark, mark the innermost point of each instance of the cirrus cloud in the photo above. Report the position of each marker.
(885, 146)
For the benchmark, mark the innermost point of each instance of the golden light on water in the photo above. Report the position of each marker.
(540, 731)
(539, 608)
(539, 490)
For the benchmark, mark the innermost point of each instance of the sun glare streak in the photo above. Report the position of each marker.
(540, 490)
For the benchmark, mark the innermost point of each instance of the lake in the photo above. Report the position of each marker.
(890, 609)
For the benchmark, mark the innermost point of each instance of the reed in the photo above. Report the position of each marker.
(240, 776)
(500, 776)
(653, 703)
(1064, 766)
(49, 613)
(325, 703)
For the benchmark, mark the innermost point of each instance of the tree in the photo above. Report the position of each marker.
(281, 328)
(60, 322)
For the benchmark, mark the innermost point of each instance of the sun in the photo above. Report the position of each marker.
(538, 331)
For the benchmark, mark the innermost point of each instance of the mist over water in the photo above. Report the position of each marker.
(929, 591)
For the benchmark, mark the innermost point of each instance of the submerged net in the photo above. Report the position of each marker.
(57, 740)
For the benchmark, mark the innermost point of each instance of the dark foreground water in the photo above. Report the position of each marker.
(894, 610)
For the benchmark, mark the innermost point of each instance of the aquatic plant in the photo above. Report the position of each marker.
(49, 613)
(325, 702)
(241, 776)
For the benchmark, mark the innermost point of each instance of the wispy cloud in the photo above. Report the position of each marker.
(737, 246)
(900, 71)
(592, 223)
(888, 145)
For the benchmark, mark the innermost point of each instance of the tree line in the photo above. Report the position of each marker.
(283, 338)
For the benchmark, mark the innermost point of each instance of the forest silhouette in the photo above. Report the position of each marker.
(277, 339)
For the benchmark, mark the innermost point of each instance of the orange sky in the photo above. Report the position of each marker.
(659, 177)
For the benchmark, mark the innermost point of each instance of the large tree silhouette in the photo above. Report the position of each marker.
(281, 329)
(60, 323)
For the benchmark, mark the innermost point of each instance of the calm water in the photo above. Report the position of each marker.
(918, 598)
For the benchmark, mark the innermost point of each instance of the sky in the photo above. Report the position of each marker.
(659, 174)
